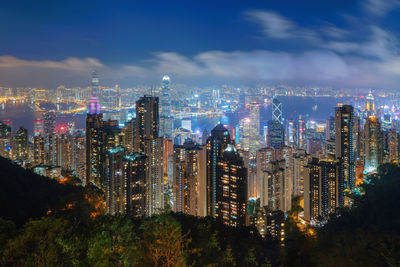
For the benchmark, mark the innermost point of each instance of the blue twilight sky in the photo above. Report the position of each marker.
(341, 43)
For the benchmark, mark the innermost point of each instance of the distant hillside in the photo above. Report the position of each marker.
(25, 195)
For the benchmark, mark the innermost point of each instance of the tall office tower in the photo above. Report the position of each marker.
(356, 137)
(291, 134)
(301, 144)
(134, 171)
(21, 144)
(186, 183)
(38, 127)
(276, 134)
(94, 139)
(344, 121)
(393, 146)
(323, 189)
(166, 119)
(276, 110)
(216, 144)
(300, 160)
(148, 143)
(51, 145)
(372, 144)
(276, 180)
(115, 184)
(38, 150)
(5, 140)
(254, 130)
(128, 135)
(370, 105)
(330, 129)
(146, 123)
(231, 188)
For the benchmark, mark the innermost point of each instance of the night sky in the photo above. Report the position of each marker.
(340, 43)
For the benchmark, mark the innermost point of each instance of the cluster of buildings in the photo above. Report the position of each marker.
(244, 174)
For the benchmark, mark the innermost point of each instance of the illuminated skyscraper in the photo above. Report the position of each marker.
(276, 134)
(38, 126)
(254, 130)
(135, 166)
(393, 146)
(38, 150)
(276, 110)
(186, 186)
(370, 105)
(115, 184)
(344, 121)
(166, 119)
(5, 140)
(276, 178)
(216, 144)
(21, 144)
(231, 188)
(147, 142)
(323, 189)
(94, 138)
(372, 144)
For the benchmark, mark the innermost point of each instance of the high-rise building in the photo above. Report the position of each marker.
(276, 180)
(115, 184)
(344, 121)
(166, 119)
(216, 144)
(38, 150)
(148, 143)
(276, 134)
(370, 105)
(51, 140)
(277, 110)
(393, 146)
(38, 127)
(5, 140)
(231, 188)
(254, 129)
(21, 144)
(330, 129)
(372, 144)
(186, 185)
(94, 139)
(134, 171)
(323, 189)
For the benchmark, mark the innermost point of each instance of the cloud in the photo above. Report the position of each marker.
(71, 63)
(380, 45)
(276, 26)
(380, 7)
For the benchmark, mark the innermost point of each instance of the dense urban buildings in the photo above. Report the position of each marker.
(154, 154)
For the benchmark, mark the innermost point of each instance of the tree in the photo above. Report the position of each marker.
(114, 242)
(40, 243)
(162, 242)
